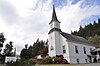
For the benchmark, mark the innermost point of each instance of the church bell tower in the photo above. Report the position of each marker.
(54, 35)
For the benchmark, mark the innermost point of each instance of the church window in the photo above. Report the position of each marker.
(52, 48)
(90, 49)
(51, 37)
(84, 50)
(86, 60)
(76, 49)
(64, 49)
(77, 60)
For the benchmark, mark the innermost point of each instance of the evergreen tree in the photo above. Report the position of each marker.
(8, 49)
(89, 30)
(25, 54)
(37, 49)
(37, 46)
(95, 40)
(2, 40)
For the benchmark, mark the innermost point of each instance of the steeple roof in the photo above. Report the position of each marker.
(54, 17)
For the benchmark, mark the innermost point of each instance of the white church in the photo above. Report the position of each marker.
(75, 49)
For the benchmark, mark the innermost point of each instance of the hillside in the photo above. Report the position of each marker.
(91, 32)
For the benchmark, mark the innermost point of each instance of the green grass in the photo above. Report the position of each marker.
(89, 64)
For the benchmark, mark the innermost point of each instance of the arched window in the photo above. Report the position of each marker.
(51, 48)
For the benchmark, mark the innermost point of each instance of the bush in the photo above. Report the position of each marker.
(26, 54)
(45, 61)
(65, 61)
(60, 60)
(34, 60)
(20, 63)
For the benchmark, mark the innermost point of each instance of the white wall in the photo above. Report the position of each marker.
(63, 42)
(55, 24)
(54, 40)
(51, 43)
(80, 55)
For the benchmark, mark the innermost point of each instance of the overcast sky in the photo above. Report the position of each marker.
(23, 21)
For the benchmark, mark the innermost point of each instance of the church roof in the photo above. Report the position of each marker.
(54, 17)
(54, 29)
(75, 38)
(96, 50)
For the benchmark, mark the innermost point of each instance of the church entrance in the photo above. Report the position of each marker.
(89, 58)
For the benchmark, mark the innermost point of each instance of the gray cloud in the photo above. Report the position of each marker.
(36, 24)
(8, 13)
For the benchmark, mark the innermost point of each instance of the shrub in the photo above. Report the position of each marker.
(45, 61)
(20, 63)
(65, 61)
(26, 54)
(60, 60)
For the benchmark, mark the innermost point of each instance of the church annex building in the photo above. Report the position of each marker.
(75, 49)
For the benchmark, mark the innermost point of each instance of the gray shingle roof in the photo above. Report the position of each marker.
(76, 39)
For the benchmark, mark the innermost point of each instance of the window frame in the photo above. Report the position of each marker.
(77, 60)
(51, 48)
(76, 49)
(86, 60)
(64, 49)
(84, 50)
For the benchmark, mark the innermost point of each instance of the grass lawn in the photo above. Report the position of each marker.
(90, 64)
(58, 65)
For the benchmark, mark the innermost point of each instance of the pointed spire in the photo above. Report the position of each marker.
(54, 17)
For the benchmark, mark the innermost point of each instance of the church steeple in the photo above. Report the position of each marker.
(54, 17)
(54, 35)
(54, 24)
